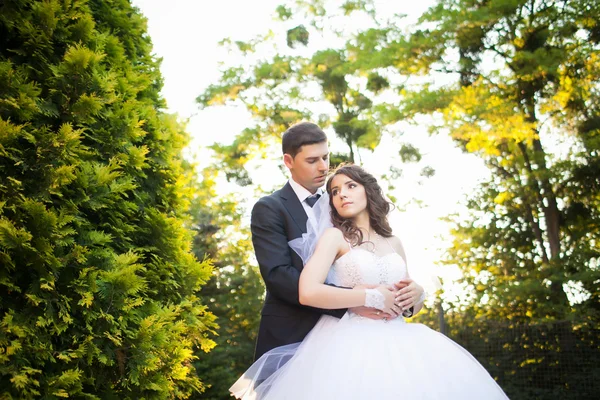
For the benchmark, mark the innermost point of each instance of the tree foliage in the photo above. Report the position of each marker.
(299, 82)
(235, 291)
(515, 83)
(525, 75)
(98, 285)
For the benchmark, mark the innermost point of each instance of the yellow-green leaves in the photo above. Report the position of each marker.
(12, 237)
(485, 121)
(79, 58)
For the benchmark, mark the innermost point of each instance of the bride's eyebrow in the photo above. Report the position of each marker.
(345, 183)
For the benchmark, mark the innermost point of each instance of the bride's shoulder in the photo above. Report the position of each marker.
(395, 240)
(333, 234)
(332, 237)
(331, 241)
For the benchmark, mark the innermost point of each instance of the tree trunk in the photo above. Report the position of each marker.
(551, 212)
(441, 319)
(547, 203)
(349, 142)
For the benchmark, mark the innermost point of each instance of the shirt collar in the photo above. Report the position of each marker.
(301, 192)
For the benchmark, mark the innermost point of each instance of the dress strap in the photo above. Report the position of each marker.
(394, 250)
(389, 244)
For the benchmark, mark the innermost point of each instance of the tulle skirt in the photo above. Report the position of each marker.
(359, 358)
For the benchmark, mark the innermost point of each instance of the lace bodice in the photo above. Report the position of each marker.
(360, 266)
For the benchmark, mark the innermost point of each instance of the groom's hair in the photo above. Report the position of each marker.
(301, 134)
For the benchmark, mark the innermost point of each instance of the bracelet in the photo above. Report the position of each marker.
(374, 299)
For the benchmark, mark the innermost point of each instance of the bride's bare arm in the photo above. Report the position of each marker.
(312, 289)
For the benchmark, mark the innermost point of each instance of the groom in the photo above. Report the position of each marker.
(279, 218)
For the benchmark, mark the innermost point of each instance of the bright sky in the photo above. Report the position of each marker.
(186, 33)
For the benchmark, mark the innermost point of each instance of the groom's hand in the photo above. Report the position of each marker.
(371, 313)
(408, 293)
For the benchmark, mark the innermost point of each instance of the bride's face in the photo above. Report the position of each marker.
(349, 197)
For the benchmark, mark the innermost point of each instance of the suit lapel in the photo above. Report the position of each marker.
(294, 207)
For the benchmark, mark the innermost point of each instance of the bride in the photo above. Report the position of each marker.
(357, 357)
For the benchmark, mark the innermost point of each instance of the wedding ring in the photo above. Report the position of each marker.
(378, 312)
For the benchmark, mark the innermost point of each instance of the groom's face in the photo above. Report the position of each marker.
(309, 167)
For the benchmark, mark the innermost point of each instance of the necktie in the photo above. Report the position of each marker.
(311, 200)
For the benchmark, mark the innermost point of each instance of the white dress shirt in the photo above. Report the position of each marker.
(302, 193)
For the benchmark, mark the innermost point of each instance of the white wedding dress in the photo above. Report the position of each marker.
(359, 358)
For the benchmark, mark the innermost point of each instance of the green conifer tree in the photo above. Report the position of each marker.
(98, 284)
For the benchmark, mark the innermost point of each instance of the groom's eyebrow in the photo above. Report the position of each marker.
(317, 157)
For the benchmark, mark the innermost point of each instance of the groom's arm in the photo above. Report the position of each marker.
(274, 255)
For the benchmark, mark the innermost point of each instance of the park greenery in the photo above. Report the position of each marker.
(124, 274)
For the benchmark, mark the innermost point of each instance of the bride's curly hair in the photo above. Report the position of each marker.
(377, 206)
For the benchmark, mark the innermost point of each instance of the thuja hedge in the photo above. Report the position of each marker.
(98, 286)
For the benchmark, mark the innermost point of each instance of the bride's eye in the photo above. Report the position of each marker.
(334, 192)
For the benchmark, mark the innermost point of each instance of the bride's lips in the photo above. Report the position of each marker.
(346, 204)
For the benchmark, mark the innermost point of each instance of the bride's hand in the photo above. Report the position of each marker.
(390, 298)
(382, 298)
(369, 312)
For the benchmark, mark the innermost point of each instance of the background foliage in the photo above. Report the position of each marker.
(235, 291)
(513, 82)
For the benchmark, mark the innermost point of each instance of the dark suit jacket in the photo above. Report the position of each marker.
(277, 219)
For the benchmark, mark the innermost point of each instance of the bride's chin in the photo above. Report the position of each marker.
(346, 215)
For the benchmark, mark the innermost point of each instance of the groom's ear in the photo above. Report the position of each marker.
(288, 160)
